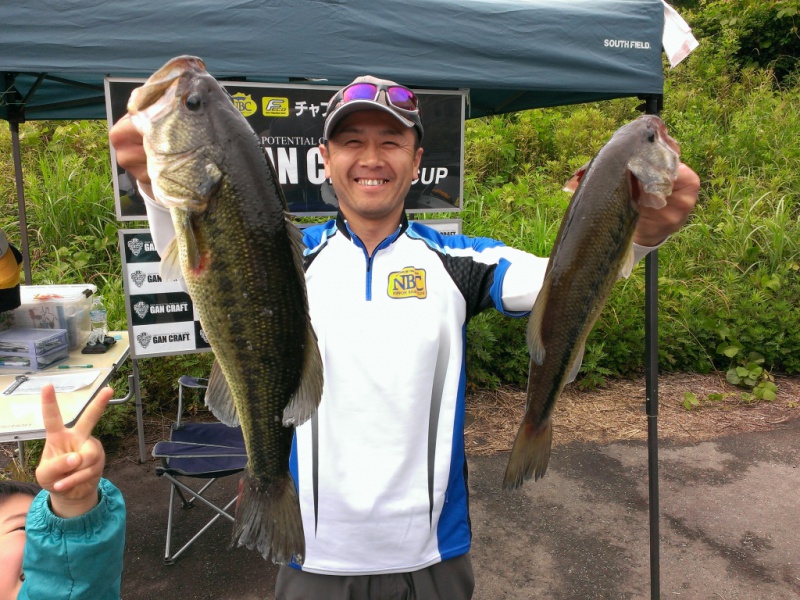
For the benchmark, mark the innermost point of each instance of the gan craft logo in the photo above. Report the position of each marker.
(141, 309)
(138, 277)
(144, 339)
(244, 103)
(135, 245)
(408, 283)
(272, 106)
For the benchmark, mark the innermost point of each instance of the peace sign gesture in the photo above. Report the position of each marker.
(72, 460)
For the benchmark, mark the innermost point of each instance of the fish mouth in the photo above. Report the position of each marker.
(160, 81)
(663, 134)
(157, 97)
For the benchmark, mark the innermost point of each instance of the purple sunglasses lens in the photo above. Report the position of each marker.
(402, 98)
(360, 91)
(399, 97)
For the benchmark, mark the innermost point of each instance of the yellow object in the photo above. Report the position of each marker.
(9, 271)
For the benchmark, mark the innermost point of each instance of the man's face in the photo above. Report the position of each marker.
(371, 160)
(13, 511)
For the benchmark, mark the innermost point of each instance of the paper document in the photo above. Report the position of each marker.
(62, 383)
(677, 39)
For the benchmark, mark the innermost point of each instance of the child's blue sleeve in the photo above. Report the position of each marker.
(78, 558)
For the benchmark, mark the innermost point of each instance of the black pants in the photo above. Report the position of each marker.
(449, 580)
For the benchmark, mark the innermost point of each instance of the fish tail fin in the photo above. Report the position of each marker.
(268, 519)
(530, 454)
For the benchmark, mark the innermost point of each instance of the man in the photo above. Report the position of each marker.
(380, 470)
(72, 533)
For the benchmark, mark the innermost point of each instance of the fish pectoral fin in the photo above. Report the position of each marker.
(171, 259)
(192, 250)
(575, 367)
(219, 398)
(572, 183)
(627, 264)
(171, 262)
(534, 333)
(306, 398)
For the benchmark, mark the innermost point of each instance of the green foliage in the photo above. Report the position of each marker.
(735, 265)
(757, 33)
(728, 282)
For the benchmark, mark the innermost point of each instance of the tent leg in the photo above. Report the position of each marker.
(652, 107)
(651, 386)
(23, 220)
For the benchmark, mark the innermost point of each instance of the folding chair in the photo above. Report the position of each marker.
(207, 451)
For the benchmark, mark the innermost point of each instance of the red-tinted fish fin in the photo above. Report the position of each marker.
(572, 183)
(530, 454)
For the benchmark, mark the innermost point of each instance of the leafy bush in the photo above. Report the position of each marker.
(758, 33)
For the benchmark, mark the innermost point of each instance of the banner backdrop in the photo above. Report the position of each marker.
(161, 316)
(288, 120)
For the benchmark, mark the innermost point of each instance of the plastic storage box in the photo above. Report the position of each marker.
(32, 348)
(57, 307)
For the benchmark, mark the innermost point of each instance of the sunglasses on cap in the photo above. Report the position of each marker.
(398, 96)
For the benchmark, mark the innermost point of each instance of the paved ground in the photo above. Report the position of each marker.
(729, 527)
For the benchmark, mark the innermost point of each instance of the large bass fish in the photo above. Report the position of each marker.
(637, 167)
(242, 262)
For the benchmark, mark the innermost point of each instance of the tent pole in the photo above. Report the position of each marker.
(651, 387)
(13, 125)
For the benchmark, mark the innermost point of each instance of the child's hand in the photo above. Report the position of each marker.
(72, 460)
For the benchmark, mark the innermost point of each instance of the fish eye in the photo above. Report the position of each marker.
(193, 102)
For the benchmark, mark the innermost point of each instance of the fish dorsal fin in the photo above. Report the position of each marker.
(534, 335)
(306, 398)
(219, 398)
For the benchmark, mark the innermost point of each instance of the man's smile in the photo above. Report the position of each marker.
(371, 182)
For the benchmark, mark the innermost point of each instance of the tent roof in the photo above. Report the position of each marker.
(511, 54)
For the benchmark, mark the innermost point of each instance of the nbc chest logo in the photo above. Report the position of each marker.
(407, 283)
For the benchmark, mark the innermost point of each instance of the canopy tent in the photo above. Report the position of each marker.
(510, 54)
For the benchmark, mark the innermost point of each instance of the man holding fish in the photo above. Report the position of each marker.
(380, 468)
